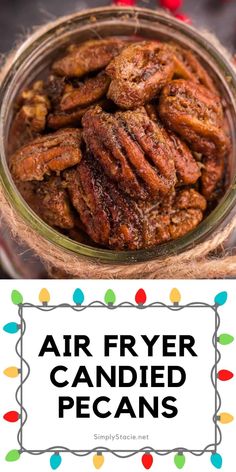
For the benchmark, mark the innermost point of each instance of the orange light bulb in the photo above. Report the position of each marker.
(44, 296)
(98, 460)
(12, 372)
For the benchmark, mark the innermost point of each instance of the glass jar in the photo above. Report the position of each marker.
(29, 62)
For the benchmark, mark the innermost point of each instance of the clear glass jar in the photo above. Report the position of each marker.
(30, 61)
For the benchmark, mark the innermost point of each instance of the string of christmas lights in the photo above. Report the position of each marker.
(109, 303)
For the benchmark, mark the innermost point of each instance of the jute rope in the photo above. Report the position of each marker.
(206, 260)
(195, 263)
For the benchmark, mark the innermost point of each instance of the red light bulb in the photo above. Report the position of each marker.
(171, 4)
(11, 416)
(183, 17)
(225, 375)
(140, 297)
(147, 460)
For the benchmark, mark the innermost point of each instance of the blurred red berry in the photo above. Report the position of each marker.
(124, 3)
(172, 5)
(183, 17)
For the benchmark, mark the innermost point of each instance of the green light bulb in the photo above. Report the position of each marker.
(179, 460)
(16, 297)
(110, 297)
(12, 455)
(225, 339)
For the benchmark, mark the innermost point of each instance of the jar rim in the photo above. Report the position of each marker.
(203, 230)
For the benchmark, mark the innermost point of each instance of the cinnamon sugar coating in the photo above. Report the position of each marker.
(50, 153)
(50, 201)
(131, 150)
(123, 145)
(196, 114)
(87, 57)
(139, 72)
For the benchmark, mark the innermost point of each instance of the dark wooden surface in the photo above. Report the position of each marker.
(17, 17)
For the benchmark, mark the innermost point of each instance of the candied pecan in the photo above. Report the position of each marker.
(132, 151)
(212, 174)
(156, 220)
(167, 144)
(151, 110)
(187, 213)
(174, 217)
(196, 114)
(187, 169)
(30, 119)
(50, 201)
(155, 229)
(51, 153)
(188, 67)
(109, 217)
(57, 118)
(189, 198)
(139, 72)
(88, 57)
(86, 93)
(62, 119)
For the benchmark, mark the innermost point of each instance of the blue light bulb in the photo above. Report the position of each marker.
(78, 296)
(221, 298)
(11, 328)
(55, 461)
(216, 460)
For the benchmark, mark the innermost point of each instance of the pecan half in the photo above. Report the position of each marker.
(50, 201)
(64, 119)
(51, 153)
(109, 217)
(88, 57)
(30, 119)
(62, 92)
(187, 212)
(173, 217)
(132, 150)
(196, 114)
(86, 93)
(156, 220)
(60, 119)
(188, 67)
(187, 169)
(139, 72)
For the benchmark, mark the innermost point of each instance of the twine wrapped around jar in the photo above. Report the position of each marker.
(208, 259)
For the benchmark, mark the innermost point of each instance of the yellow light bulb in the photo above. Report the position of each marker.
(98, 460)
(44, 296)
(175, 296)
(225, 418)
(11, 372)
